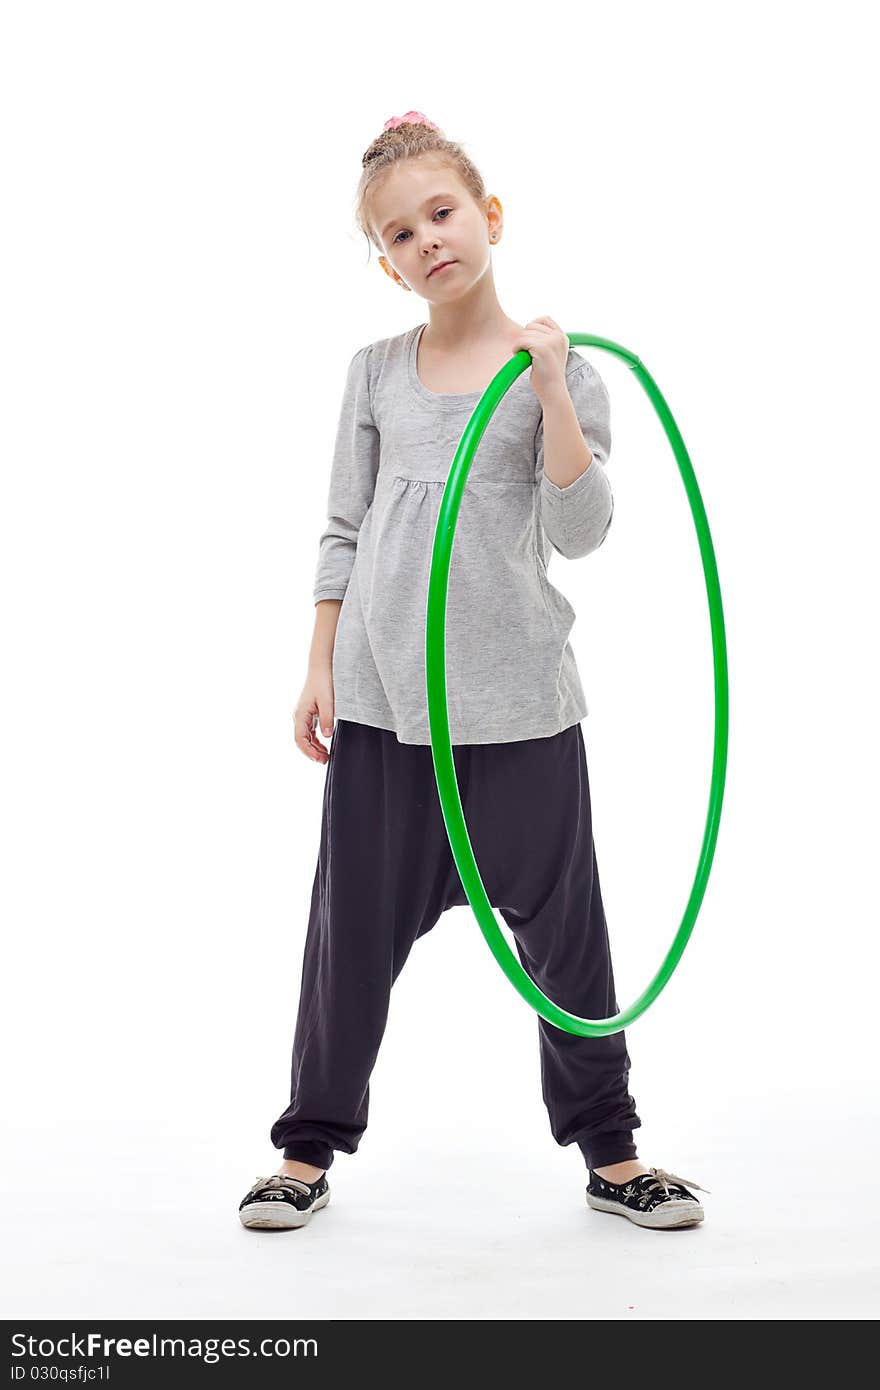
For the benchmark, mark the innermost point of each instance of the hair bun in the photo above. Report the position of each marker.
(411, 118)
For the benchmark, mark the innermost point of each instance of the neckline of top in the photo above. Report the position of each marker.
(445, 400)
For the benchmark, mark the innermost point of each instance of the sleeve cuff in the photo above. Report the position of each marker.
(580, 484)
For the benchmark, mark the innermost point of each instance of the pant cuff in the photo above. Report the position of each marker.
(614, 1146)
(310, 1151)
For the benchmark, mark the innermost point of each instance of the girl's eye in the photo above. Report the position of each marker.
(436, 214)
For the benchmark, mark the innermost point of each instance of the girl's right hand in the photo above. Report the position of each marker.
(315, 705)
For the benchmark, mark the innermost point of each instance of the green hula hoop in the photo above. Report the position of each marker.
(438, 716)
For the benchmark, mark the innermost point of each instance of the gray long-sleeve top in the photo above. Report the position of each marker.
(510, 670)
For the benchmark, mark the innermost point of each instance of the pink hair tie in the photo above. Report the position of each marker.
(411, 118)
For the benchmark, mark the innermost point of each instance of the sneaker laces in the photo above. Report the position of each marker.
(277, 1181)
(662, 1177)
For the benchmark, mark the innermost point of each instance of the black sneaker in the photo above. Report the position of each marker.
(657, 1198)
(279, 1203)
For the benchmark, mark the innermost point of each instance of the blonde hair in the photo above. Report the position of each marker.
(409, 140)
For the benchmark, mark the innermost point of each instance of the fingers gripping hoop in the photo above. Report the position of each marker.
(438, 715)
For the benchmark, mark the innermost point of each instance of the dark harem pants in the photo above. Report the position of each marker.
(385, 874)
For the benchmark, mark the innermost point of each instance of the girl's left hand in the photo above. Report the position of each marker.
(549, 348)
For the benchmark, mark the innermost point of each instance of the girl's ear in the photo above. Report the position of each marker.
(494, 214)
(392, 274)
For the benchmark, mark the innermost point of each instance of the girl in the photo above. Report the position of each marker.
(385, 871)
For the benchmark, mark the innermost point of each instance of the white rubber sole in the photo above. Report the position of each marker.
(666, 1216)
(278, 1216)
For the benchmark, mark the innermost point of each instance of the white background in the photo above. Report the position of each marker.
(183, 287)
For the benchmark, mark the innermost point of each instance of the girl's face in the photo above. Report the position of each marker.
(423, 215)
